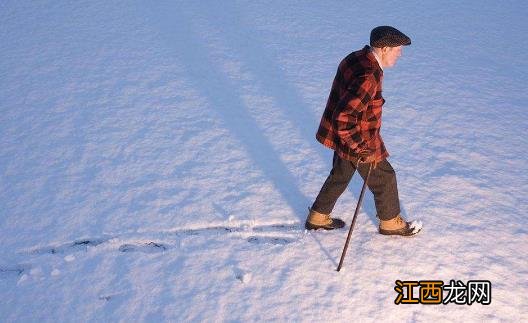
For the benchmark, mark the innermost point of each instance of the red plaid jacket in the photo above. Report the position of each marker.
(351, 121)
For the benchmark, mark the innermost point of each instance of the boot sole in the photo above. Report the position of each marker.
(336, 224)
(404, 232)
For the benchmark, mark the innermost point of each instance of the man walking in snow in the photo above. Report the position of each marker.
(351, 124)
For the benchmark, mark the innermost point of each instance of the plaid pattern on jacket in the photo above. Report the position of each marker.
(351, 121)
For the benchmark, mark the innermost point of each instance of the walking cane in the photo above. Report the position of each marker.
(354, 219)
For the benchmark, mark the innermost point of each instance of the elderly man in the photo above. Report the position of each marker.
(351, 124)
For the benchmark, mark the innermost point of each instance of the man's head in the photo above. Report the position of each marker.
(387, 42)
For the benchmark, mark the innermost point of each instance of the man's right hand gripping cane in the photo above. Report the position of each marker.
(366, 156)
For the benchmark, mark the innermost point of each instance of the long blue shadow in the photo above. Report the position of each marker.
(224, 98)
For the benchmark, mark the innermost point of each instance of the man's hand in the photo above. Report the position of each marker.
(367, 157)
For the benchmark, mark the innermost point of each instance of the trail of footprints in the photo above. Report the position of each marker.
(276, 234)
(260, 235)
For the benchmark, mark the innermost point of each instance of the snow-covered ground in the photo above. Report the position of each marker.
(157, 160)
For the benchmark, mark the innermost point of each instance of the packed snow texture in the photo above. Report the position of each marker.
(157, 159)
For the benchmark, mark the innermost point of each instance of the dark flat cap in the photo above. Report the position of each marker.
(387, 36)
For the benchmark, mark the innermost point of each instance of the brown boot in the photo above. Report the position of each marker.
(398, 226)
(318, 220)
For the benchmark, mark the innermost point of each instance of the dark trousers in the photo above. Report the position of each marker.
(382, 183)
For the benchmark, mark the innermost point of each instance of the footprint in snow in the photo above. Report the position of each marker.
(269, 240)
(79, 245)
(151, 247)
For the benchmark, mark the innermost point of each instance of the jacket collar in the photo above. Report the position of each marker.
(372, 56)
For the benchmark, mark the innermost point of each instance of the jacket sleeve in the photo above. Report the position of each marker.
(350, 106)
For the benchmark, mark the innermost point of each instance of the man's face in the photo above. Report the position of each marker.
(389, 55)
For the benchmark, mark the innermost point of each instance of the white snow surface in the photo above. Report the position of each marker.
(157, 159)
